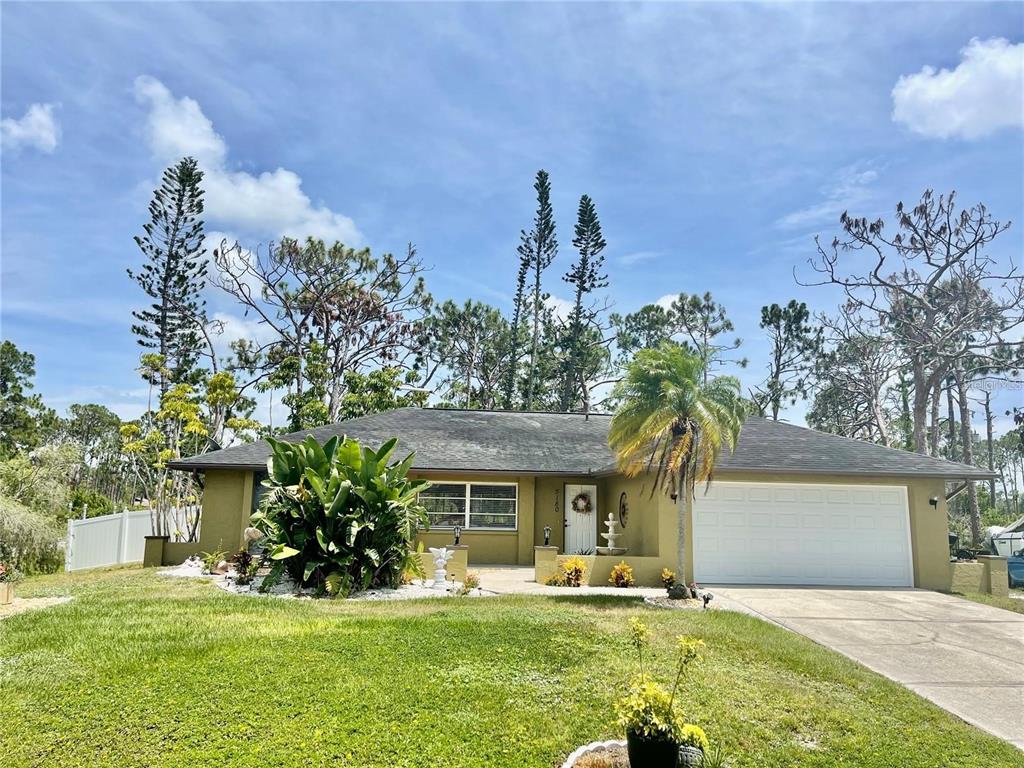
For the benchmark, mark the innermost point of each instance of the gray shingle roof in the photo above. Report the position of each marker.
(573, 444)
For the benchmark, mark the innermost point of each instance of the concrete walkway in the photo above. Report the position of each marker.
(966, 657)
(518, 579)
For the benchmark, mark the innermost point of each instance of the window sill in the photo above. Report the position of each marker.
(470, 531)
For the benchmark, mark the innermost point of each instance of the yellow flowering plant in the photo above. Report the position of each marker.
(574, 570)
(622, 575)
(648, 710)
(668, 577)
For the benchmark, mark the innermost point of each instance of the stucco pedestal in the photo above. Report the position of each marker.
(153, 554)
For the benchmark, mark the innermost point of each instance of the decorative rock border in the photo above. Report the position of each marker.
(192, 569)
(685, 605)
(594, 746)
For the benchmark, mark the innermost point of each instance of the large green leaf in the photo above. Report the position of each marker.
(282, 551)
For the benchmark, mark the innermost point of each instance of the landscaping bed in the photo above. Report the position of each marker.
(141, 670)
(228, 581)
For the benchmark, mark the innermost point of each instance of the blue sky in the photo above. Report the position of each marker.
(716, 140)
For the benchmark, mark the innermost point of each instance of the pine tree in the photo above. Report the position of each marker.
(539, 247)
(174, 272)
(513, 353)
(578, 344)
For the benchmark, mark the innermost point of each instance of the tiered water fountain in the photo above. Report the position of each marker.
(611, 538)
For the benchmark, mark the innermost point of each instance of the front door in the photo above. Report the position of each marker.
(580, 525)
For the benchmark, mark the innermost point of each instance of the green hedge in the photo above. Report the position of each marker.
(28, 540)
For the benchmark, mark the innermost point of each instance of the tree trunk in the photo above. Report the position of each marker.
(991, 449)
(881, 423)
(907, 419)
(968, 458)
(935, 402)
(952, 422)
(531, 387)
(682, 500)
(920, 413)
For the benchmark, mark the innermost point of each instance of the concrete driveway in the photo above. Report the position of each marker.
(966, 657)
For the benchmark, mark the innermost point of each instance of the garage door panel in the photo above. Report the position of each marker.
(779, 533)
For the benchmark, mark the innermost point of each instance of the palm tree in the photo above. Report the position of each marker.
(673, 423)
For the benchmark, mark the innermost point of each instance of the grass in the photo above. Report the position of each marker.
(1006, 603)
(141, 670)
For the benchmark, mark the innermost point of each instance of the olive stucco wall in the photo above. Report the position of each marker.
(651, 530)
(227, 502)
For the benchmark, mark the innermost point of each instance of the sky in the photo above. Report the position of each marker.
(716, 139)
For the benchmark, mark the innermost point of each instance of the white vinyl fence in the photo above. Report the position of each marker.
(106, 540)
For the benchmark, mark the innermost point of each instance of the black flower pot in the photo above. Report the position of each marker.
(651, 751)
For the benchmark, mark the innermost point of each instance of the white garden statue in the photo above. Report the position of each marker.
(441, 557)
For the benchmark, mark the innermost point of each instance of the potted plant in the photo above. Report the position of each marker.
(656, 734)
(9, 576)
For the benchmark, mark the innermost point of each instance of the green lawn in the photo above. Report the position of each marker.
(141, 670)
(1006, 603)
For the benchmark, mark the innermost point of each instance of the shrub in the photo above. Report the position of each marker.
(668, 578)
(622, 575)
(338, 516)
(97, 502)
(693, 736)
(472, 580)
(574, 569)
(9, 574)
(245, 567)
(212, 559)
(28, 540)
(556, 579)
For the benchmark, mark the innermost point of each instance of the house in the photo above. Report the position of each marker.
(790, 506)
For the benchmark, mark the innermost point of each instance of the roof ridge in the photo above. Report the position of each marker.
(501, 410)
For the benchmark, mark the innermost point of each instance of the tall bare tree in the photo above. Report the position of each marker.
(327, 311)
(856, 393)
(914, 281)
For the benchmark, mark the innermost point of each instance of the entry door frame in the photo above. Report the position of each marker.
(580, 529)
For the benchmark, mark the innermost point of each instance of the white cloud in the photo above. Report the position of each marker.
(271, 203)
(637, 257)
(234, 327)
(665, 302)
(560, 308)
(983, 94)
(37, 128)
(851, 188)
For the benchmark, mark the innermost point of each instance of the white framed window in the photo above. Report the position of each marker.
(473, 506)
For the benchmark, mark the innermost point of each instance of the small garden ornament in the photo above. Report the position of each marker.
(441, 556)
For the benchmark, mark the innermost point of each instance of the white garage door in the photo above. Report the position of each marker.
(780, 533)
